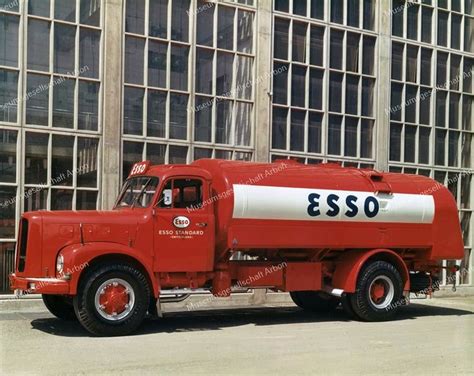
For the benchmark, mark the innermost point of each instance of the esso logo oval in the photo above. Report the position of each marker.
(181, 222)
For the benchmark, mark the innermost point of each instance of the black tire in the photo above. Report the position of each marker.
(347, 306)
(385, 307)
(60, 306)
(315, 301)
(85, 301)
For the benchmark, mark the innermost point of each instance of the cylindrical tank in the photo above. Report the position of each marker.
(295, 206)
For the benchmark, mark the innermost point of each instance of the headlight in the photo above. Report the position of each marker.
(60, 263)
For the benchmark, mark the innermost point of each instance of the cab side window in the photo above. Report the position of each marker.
(182, 194)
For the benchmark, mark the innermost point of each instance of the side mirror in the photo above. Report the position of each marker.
(167, 197)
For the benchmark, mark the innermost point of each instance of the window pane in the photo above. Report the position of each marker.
(244, 83)
(352, 57)
(132, 153)
(178, 154)
(63, 104)
(39, 7)
(224, 73)
(368, 86)
(298, 78)
(87, 152)
(245, 32)
(315, 126)
(90, 12)
(88, 111)
(350, 137)
(397, 17)
(366, 138)
(279, 128)
(441, 108)
(38, 103)
(205, 23)
(426, 16)
(440, 147)
(9, 5)
(456, 31)
(178, 116)
(467, 105)
(64, 48)
(134, 48)
(412, 22)
(223, 122)
(424, 145)
(280, 50)
(8, 197)
(179, 67)
(316, 89)
(441, 69)
(397, 61)
(203, 119)
(89, 53)
(157, 52)
(297, 130)
(317, 46)
(36, 158)
(35, 199)
(159, 18)
(337, 38)
(454, 100)
(454, 73)
(38, 45)
(282, 5)
(337, 11)
(8, 96)
(133, 111)
(426, 66)
(9, 40)
(425, 105)
(443, 28)
(466, 150)
(410, 103)
(410, 134)
(135, 22)
(299, 41)
(469, 34)
(225, 28)
(467, 74)
(334, 135)
(8, 142)
(353, 13)
(65, 10)
(243, 124)
(200, 153)
(299, 8)
(453, 149)
(156, 114)
(86, 200)
(317, 9)
(396, 102)
(155, 153)
(395, 142)
(412, 64)
(352, 94)
(369, 14)
(335, 92)
(280, 84)
(204, 59)
(180, 20)
(369, 54)
(62, 161)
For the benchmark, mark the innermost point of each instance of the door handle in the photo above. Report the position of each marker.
(201, 224)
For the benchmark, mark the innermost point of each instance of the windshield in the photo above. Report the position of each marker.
(137, 192)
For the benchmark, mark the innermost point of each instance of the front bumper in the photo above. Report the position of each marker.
(39, 285)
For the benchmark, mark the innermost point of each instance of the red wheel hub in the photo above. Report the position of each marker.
(377, 292)
(114, 299)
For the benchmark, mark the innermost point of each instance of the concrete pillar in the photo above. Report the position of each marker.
(112, 102)
(383, 85)
(263, 80)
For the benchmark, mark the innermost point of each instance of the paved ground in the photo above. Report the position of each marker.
(430, 337)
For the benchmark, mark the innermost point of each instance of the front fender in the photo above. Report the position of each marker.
(78, 257)
(350, 264)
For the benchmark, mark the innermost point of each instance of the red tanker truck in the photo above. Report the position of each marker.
(327, 235)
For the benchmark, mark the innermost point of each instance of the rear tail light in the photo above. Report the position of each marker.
(23, 241)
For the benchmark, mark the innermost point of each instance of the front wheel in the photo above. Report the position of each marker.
(379, 292)
(112, 300)
(60, 306)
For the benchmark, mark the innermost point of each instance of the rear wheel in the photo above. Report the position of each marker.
(315, 301)
(112, 300)
(379, 292)
(60, 306)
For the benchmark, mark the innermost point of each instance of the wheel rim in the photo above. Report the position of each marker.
(114, 299)
(381, 292)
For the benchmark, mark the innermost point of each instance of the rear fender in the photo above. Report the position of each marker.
(350, 264)
(78, 257)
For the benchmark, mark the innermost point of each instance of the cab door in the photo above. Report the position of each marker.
(184, 226)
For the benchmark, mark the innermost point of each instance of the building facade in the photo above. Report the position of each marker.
(88, 87)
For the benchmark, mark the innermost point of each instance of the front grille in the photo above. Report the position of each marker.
(22, 245)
